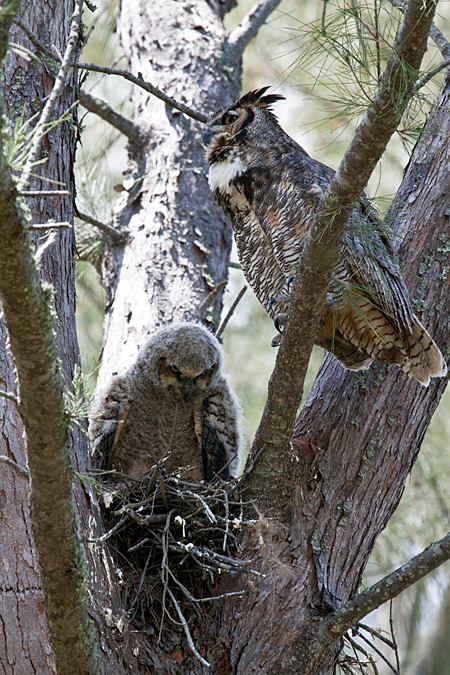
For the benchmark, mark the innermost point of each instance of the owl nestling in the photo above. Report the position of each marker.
(270, 189)
(173, 402)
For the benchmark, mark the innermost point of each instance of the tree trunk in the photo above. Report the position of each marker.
(358, 435)
(24, 639)
(176, 255)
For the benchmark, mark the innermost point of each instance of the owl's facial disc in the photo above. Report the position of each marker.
(187, 385)
(227, 127)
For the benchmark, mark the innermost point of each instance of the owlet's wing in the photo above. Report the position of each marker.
(219, 432)
(107, 421)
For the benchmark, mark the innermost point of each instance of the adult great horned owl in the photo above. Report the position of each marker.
(270, 188)
(173, 401)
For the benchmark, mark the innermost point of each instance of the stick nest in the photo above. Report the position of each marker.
(172, 538)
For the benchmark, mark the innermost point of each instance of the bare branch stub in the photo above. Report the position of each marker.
(103, 110)
(10, 462)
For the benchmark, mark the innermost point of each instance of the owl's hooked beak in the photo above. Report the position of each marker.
(206, 137)
(185, 385)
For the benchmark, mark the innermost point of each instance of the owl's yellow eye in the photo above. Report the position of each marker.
(174, 369)
(229, 118)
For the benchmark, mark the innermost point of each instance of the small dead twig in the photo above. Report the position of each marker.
(391, 624)
(105, 112)
(10, 462)
(230, 312)
(48, 226)
(44, 193)
(107, 229)
(357, 648)
(377, 651)
(376, 634)
(186, 629)
(10, 397)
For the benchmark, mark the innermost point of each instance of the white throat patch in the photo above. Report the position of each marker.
(222, 173)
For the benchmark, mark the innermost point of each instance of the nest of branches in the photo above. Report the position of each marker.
(172, 539)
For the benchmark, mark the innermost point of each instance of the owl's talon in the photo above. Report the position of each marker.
(290, 281)
(276, 340)
(280, 321)
(282, 298)
(330, 299)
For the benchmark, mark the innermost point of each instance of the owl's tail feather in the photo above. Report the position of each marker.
(360, 332)
(425, 359)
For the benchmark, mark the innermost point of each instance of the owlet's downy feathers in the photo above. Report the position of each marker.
(172, 403)
(270, 189)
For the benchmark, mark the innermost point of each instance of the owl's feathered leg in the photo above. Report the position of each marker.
(280, 319)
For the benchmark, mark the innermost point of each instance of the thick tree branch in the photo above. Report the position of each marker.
(321, 250)
(29, 317)
(440, 41)
(103, 110)
(250, 25)
(431, 73)
(389, 587)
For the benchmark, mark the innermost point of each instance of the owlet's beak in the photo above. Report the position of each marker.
(186, 385)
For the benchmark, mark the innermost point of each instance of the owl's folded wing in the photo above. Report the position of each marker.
(107, 421)
(219, 432)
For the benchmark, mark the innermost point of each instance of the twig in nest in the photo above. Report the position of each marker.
(186, 630)
(227, 522)
(141, 583)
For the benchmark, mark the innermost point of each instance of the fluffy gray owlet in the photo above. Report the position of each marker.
(175, 402)
(270, 188)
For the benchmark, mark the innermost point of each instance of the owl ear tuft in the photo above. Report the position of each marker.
(257, 98)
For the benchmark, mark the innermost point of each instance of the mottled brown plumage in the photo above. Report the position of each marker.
(173, 402)
(270, 189)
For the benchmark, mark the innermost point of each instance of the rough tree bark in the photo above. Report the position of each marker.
(353, 445)
(24, 637)
(25, 643)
